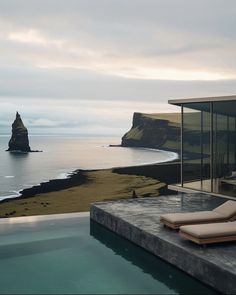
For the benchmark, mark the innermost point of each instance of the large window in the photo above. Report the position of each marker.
(209, 147)
(196, 146)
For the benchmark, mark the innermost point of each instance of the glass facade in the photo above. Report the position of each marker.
(209, 147)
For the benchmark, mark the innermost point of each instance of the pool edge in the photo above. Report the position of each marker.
(201, 269)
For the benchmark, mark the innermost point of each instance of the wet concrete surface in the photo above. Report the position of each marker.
(138, 220)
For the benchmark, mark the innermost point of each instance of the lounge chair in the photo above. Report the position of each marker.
(209, 233)
(225, 212)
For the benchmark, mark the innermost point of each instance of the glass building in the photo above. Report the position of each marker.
(208, 144)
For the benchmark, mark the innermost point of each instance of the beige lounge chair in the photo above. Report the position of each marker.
(225, 212)
(209, 233)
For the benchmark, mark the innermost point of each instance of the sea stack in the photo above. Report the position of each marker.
(19, 141)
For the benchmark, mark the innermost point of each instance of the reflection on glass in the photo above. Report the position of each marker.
(209, 147)
(196, 145)
(224, 175)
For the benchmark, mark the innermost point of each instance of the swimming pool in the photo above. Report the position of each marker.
(68, 254)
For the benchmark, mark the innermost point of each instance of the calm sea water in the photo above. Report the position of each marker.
(64, 154)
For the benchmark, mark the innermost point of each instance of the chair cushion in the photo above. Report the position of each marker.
(228, 209)
(212, 230)
(192, 217)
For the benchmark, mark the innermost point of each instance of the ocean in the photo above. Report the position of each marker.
(62, 155)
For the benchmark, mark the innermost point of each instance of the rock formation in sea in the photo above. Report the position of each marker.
(159, 131)
(19, 141)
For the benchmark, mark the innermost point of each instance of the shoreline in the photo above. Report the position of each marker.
(76, 177)
(83, 187)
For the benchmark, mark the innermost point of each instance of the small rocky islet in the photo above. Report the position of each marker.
(19, 142)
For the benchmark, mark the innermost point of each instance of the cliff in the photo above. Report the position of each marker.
(160, 131)
(19, 141)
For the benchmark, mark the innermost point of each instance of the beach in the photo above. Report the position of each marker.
(83, 187)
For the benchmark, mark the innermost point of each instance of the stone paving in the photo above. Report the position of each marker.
(138, 221)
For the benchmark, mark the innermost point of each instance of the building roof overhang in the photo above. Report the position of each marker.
(179, 102)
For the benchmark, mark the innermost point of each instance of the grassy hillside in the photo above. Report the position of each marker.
(160, 131)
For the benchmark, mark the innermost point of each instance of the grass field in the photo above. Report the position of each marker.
(100, 185)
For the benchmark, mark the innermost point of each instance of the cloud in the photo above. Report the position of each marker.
(32, 36)
(95, 62)
(158, 40)
(73, 116)
(44, 122)
(161, 64)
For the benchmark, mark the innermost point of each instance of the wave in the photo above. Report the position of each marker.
(172, 155)
(64, 175)
(16, 194)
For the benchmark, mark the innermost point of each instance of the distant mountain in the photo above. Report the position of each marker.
(160, 131)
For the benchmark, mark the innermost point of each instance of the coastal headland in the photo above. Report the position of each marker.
(83, 187)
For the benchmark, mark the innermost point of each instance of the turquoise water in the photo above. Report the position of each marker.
(63, 154)
(72, 256)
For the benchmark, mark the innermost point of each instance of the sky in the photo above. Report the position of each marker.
(84, 66)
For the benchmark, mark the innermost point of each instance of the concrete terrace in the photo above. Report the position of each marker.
(138, 221)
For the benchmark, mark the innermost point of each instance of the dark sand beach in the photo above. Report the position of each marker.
(83, 187)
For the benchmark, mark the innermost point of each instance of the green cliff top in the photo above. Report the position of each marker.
(172, 117)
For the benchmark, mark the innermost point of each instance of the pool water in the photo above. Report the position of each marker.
(68, 254)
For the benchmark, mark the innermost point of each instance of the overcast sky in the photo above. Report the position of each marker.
(84, 66)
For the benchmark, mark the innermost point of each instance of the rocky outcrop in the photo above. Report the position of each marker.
(19, 141)
(159, 131)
